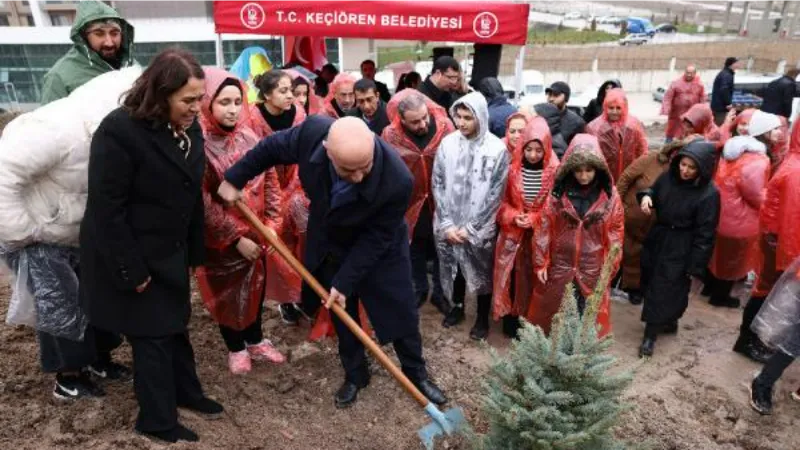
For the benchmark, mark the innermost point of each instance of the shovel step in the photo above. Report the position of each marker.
(444, 423)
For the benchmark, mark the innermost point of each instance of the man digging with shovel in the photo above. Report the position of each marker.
(357, 243)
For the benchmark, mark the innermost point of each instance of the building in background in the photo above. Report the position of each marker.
(33, 35)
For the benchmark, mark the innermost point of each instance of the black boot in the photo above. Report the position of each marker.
(348, 393)
(671, 328)
(511, 326)
(179, 433)
(441, 304)
(480, 330)
(647, 347)
(455, 316)
(749, 345)
(761, 398)
(635, 297)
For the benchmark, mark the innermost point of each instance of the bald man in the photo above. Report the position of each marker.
(357, 244)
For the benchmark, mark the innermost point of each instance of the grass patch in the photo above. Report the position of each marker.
(569, 36)
(689, 28)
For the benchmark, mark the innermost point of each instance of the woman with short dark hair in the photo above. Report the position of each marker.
(142, 235)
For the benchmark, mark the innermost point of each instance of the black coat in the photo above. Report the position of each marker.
(144, 217)
(441, 98)
(779, 95)
(367, 239)
(680, 243)
(722, 92)
(595, 108)
(383, 91)
(379, 122)
(564, 125)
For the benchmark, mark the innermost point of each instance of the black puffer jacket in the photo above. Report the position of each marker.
(595, 108)
(681, 242)
(564, 125)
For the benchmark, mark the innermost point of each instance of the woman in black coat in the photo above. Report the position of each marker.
(143, 232)
(680, 243)
(595, 107)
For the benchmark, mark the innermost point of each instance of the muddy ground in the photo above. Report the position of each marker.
(690, 396)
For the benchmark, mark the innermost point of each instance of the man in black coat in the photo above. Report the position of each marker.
(722, 92)
(780, 94)
(368, 73)
(443, 82)
(564, 123)
(357, 240)
(369, 106)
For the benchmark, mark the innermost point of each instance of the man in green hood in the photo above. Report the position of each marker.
(102, 42)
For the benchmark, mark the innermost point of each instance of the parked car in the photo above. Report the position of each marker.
(635, 39)
(610, 20)
(572, 16)
(638, 25)
(666, 28)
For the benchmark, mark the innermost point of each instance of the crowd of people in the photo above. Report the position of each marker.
(431, 193)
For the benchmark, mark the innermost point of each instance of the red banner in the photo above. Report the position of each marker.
(464, 21)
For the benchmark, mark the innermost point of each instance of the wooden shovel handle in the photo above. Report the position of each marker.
(376, 351)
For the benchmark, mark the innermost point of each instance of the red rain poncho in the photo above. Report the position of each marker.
(517, 115)
(680, 97)
(573, 250)
(314, 101)
(621, 141)
(262, 129)
(741, 179)
(780, 212)
(514, 248)
(343, 79)
(231, 286)
(702, 119)
(419, 161)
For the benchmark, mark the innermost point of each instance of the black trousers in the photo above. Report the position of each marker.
(773, 369)
(237, 340)
(351, 351)
(720, 290)
(164, 378)
(59, 354)
(460, 293)
(749, 315)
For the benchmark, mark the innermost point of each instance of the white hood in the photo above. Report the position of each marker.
(476, 102)
(737, 146)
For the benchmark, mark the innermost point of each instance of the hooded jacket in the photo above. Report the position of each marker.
(637, 177)
(564, 125)
(44, 163)
(678, 99)
(741, 179)
(780, 212)
(80, 64)
(680, 243)
(515, 244)
(702, 119)
(499, 107)
(621, 141)
(328, 108)
(469, 178)
(230, 285)
(595, 108)
(573, 247)
(418, 160)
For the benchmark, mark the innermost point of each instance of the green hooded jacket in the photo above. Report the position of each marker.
(81, 63)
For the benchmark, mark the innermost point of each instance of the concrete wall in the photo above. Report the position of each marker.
(634, 81)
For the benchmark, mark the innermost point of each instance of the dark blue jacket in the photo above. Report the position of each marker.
(722, 92)
(499, 107)
(367, 239)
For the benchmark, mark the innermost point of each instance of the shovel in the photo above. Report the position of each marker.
(443, 422)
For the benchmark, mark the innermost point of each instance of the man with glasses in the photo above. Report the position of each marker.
(101, 43)
(443, 83)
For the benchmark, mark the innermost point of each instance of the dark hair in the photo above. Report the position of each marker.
(330, 68)
(268, 82)
(411, 78)
(445, 62)
(169, 71)
(463, 107)
(300, 81)
(793, 72)
(367, 61)
(365, 84)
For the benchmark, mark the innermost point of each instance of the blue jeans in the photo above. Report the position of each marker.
(422, 251)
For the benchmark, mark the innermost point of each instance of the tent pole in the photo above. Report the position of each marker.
(220, 55)
(520, 67)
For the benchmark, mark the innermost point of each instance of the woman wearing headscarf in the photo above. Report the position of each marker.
(530, 179)
(595, 108)
(303, 93)
(621, 136)
(233, 279)
(741, 179)
(699, 122)
(582, 221)
(679, 245)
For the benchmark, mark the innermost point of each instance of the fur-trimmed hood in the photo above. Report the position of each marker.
(584, 150)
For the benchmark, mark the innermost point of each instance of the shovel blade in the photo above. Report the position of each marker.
(446, 422)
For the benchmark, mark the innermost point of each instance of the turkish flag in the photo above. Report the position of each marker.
(306, 51)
